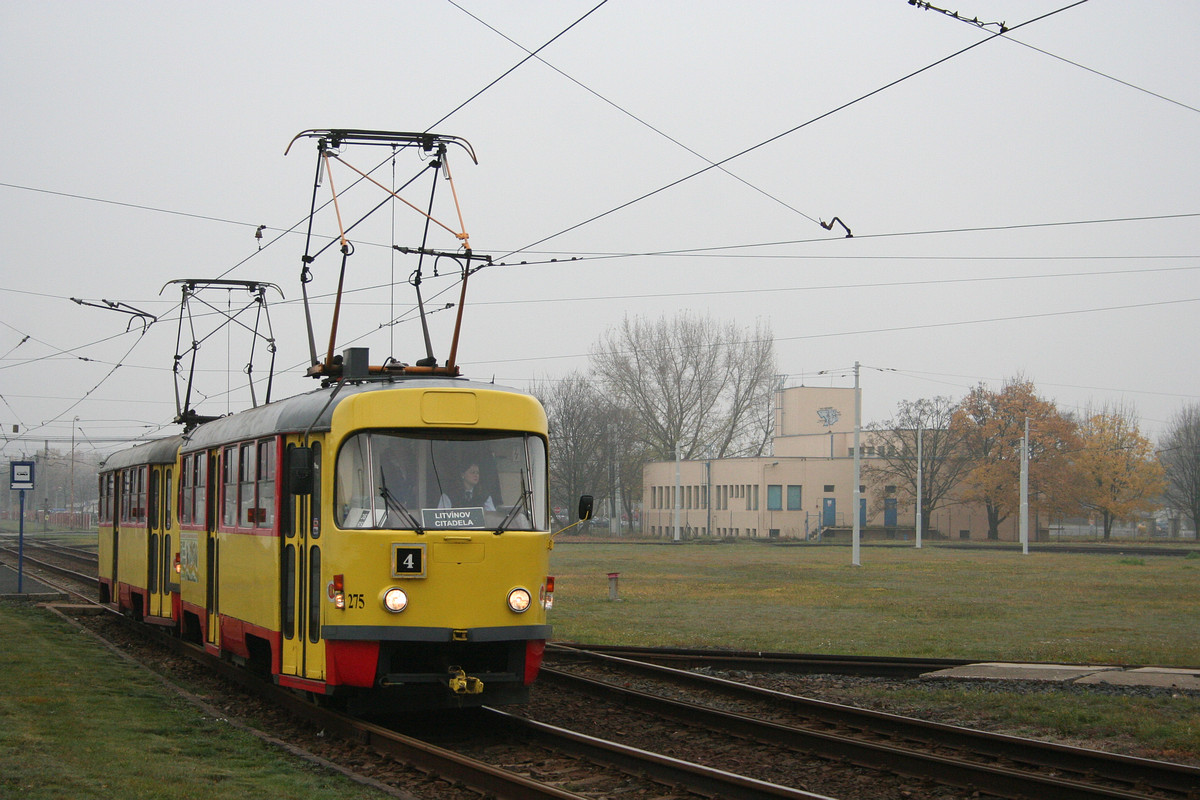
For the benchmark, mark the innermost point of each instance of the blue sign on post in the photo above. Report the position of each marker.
(20, 475)
(20, 478)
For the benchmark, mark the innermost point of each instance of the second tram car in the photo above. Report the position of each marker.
(385, 541)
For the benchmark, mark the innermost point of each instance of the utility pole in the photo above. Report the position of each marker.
(856, 501)
(920, 490)
(678, 495)
(71, 500)
(1025, 490)
(708, 492)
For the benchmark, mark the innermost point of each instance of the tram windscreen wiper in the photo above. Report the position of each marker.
(394, 504)
(517, 506)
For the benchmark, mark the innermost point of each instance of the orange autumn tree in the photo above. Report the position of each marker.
(1120, 472)
(991, 425)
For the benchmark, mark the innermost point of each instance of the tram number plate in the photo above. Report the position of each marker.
(408, 561)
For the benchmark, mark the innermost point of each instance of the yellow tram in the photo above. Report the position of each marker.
(384, 538)
(326, 540)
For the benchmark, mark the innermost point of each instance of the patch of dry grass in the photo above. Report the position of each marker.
(979, 604)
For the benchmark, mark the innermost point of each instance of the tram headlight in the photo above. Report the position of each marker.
(519, 600)
(395, 600)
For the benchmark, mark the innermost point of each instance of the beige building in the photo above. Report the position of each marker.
(804, 488)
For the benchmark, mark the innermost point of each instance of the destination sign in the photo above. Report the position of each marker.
(436, 519)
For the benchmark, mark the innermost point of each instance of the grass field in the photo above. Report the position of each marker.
(80, 723)
(978, 604)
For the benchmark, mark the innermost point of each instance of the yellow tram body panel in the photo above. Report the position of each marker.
(444, 406)
(249, 571)
(467, 578)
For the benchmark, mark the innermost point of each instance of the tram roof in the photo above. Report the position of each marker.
(313, 409)
(159, 451)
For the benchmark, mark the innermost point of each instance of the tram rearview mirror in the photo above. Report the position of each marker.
(300, 470)
(585, 507)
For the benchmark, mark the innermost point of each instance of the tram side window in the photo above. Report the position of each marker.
(105, 495)
(200, 480)
(152, 498)
(126, 481)
(187, 490)
(167, 488)
(140, 508)
(264, 516)
(230, 486)
(133, 495)
(246, 508)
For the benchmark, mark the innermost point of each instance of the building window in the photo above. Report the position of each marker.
(828, 488)
(774, 497)
(793, 499)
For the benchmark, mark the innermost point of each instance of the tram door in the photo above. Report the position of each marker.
(301, 590)
(163, 581)
(154, 523)
(212, 561)
(114, 491)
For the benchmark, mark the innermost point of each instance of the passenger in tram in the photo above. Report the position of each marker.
(468, 493)
(397, 477)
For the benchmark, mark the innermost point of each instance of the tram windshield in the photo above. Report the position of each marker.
(424, 480)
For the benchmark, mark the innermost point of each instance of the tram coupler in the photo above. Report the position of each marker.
(462, 683)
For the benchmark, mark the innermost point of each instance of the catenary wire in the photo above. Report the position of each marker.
(788, 132)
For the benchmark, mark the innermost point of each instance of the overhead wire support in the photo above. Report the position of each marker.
(999, 26)
(829, 226)
(329, 141)
(185, 414)
(146, 317)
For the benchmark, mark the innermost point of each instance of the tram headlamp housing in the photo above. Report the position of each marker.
(519, 600)
(395, 600)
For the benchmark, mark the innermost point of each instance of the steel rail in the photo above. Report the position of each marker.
(1178, 779)
(48, 567)
(479, 775)
(673, 771)
(761, 661)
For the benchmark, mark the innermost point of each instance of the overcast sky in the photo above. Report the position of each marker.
(1028, 206)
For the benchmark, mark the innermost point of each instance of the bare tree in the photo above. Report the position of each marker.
(579, 457)
(943, 464)
(691, 381)
(1181, 457)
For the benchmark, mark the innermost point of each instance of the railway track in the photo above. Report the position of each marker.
(759, 661)
(49, 559)
(994, 764)
(504, 756)
(700, 736)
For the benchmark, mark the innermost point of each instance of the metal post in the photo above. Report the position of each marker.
(855, 500)
(708, 495)
(678, 496)
(920, 490)
(21, 544)
(1025, 490)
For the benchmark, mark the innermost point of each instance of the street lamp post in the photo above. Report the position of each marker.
(71, 499)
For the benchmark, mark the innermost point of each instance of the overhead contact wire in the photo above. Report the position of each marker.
(788, 132)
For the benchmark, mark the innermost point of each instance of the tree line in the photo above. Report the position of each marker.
(690, 382)
(1096, 463)
(707, 387)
